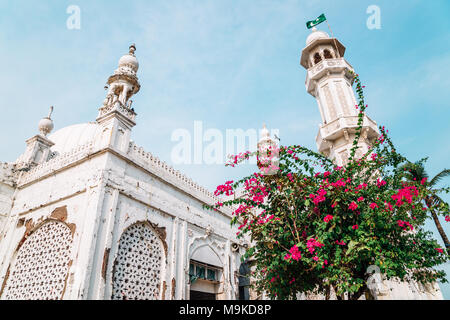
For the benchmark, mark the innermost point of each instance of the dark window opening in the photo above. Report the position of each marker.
(244, 281)
(198, 295)
(317, 58)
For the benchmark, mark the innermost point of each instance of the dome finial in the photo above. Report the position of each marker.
(132, 49)
(46, 124)
(50, 113)
(264, 132)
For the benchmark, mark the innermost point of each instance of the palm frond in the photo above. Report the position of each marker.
(441, 175)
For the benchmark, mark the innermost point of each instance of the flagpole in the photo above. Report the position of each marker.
(334, 39)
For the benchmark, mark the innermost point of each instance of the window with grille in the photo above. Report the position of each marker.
(40, 268)
(198, 270)
(137, 269)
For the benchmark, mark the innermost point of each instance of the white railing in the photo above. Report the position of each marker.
(57, 162)
(167, 172)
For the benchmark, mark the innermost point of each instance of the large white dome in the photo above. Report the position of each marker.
(68, 138)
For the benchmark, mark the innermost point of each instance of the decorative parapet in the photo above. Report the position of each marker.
(117, 106)
(8, 174)
(335, 129)
(135, 154)
(57, 162)
(170, 174)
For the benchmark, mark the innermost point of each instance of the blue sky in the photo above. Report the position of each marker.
(230, 64)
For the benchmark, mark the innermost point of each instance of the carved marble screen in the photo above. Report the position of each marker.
(40, 268)
(137, 269)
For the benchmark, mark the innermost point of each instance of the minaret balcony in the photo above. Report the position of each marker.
(119, 108)
(323, 68)
(342, 126)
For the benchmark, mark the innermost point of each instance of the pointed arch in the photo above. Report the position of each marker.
(327, 54)
(206, 254)
(317, 58)
(40, 267)
(138, 266)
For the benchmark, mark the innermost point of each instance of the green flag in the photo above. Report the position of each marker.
(313, 23)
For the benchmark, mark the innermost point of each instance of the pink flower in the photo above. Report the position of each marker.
(373, 205)
(360, 199)
(389, 206)
(405, 194)
(447, 218)
(326, 174)
(312, 243)
(361, 186)
(320, 197)
(404, 225)
(380, 183)
(316, 258)
(423, 181)
(355, 227)
(440, 250)
(339, 183)
(341, 243)
(295, 254)
(225, 188)
(328, 218)
(353, 206)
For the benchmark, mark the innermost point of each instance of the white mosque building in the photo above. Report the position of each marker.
(87, 214)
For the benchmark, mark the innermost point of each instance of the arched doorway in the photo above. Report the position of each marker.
(205, 274)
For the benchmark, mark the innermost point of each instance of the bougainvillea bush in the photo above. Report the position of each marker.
(315, 226)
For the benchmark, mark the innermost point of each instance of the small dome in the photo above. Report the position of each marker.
(45, 126)
(129, 60)
(315, 35)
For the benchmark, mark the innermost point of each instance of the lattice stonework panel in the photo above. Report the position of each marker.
(137, 270)
(39, 271)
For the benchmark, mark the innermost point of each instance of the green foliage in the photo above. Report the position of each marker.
(315, 225)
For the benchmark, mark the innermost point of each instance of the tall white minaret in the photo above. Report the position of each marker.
(329, 81)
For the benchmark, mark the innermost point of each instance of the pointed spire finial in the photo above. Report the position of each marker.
(264, 132)
(50, 113)
(132, 49)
